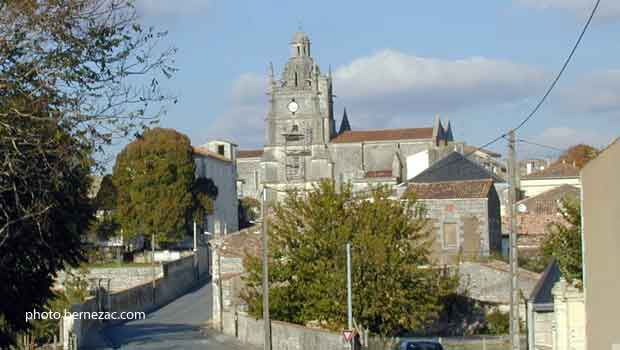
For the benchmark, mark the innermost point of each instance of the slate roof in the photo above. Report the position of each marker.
(454, 167)
(557, 169)
(250, 153)
(384, 135)
(541, 297)
(451, 190)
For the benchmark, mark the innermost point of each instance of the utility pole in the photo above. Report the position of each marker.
(266, 320)
(349, 292)
(515, 339)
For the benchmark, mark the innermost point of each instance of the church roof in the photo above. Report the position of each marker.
(249, 153)
(454, 167)
(384, 135)
(451, 190)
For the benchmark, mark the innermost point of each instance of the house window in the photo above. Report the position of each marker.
(220, 149)
(450, 235)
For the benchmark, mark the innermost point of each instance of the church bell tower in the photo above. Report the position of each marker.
(300, 120)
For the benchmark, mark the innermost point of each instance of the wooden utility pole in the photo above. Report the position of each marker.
(515, 339)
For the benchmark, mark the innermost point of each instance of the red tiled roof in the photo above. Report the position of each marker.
(451, 190)
(557, 169)
(205, 152)
(379, 173)
(384, 135)
(249, 153)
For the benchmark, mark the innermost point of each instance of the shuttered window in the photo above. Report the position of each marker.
(449, 235)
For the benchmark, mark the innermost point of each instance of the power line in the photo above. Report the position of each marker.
(541, 145)
(566, 62)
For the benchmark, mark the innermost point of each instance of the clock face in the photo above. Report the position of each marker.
(293, 106)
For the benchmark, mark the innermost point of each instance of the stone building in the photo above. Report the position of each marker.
(535, 213)
(216, 161)
(463, 206)
(303, 145)
(555, 175)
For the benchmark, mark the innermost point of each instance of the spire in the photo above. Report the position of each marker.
(344, 125)
(449, 136)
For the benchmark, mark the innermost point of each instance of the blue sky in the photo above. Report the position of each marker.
(481, 64)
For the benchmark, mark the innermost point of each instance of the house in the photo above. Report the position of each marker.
(601, 244)
(535, 213)
(555, 175)
(216, 161)
(463, 207)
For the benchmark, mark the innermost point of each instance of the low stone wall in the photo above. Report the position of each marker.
(284, 336)
(177, 278)
(120, 278)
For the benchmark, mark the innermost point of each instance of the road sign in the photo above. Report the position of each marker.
(348, 335)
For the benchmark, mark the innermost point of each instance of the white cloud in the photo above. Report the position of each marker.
(607, 10)
(170, 7)
(596, 92)
(244, 121)
(391, 81)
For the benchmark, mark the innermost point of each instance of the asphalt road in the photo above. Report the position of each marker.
(178, 325)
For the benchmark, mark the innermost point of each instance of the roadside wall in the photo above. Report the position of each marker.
(177, 278)
(120, 277)
(284, 336)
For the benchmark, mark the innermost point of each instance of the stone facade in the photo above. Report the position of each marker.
(216, 161)
(302, 145)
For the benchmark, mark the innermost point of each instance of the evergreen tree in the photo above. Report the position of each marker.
(157, 190)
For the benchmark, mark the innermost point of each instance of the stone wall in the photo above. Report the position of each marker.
(284, 336)
(460, 211)
(177, 278)
(120, 278)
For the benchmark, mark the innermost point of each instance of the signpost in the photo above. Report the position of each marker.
(347, 335)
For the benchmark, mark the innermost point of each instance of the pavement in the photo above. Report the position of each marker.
(178, 325)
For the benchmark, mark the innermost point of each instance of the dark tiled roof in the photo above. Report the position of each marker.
(384, 135)
(541, 296)
(249, 153)
(557, 169)
(455, 167)
(205, 152)
(451, 190)
(379, 173)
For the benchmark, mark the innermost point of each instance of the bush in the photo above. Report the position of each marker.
(497, 323)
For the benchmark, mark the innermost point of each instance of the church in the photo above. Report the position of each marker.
(303, 144)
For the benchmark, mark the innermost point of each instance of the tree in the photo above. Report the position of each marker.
(563, 241)
(157, 190)
(249, 209)
(71, 80)
(579, 154)
(396, 287)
